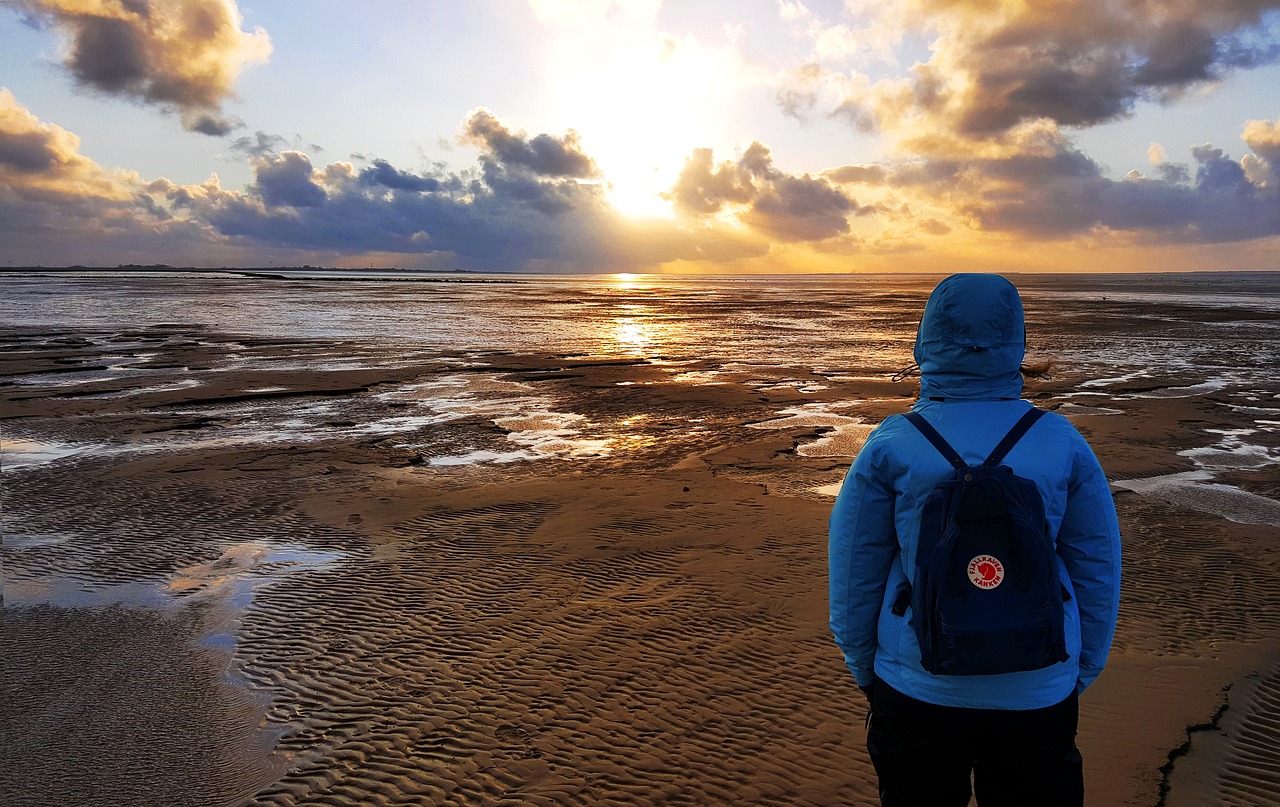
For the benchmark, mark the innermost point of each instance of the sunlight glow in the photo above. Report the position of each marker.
(641, 108)
(632, 333)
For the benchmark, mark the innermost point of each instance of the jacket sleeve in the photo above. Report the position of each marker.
(1089, 545)
(862, 545)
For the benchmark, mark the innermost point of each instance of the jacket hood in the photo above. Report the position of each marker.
(972, 339)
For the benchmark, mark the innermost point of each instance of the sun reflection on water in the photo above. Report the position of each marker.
(632, 333)
(631, 435)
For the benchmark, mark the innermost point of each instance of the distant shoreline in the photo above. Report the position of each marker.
(303, 273)
(411, 275)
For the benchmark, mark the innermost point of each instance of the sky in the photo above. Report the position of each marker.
(641, 135)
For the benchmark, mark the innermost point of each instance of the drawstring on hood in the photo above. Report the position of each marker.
(972, 339)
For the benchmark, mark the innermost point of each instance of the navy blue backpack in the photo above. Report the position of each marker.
(986, 598)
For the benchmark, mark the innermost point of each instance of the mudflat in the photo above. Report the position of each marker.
(288, 584)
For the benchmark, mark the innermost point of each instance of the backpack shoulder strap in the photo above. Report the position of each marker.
(940, 443)
(1011, 439)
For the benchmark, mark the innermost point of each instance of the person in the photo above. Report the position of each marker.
(1007, 738)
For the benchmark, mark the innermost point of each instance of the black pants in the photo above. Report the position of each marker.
(924, 754)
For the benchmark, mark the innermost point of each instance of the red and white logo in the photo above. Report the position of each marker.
(986, 572)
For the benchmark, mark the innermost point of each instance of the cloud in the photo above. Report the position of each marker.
(288, 181)
(534, 202)
(781, 205)
(56, 204)
(1037, 186)
(1059, 192)
(854, 174)
(996, 66)
(182, 55)
(870, 35)
(1263, 136)
(523, 208)
(40, 161)
(542, 155)
(384, 174)
(260, 144)
(1262, 167)
(25, 151)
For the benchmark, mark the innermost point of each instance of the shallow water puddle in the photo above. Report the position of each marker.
(176, 386)
(845, 441)
(1232, 453)
(234, 575)
(1068, 409)
(19, 453)
(243, 567)
(479, 457)
(1192, 489)
(1212, 385)
(831, 490)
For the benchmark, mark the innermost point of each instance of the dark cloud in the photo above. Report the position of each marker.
(1064, 193)
(287, 181)
(543, 155)
(781, 205)
(264, 144)
(29, 152)
(1090, 91)
(107, 54)
(1038, 186)
(212, 125)
(384, 174)
(1173, 173)
(801, 209)
(260, 144)
(1182, 53)
(182, 55)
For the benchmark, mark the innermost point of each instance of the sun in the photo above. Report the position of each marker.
(640, 111)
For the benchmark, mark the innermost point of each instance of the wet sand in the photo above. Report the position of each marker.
(201, 610)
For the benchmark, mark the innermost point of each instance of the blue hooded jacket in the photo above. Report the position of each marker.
(969, 347)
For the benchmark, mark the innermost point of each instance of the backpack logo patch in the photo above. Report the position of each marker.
(986, 572)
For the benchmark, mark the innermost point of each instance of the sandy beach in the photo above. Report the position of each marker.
(515, 609)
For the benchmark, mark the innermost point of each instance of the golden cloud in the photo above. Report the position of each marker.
(997, 67)
(180, 54)
(1263, 136)
(42, 160)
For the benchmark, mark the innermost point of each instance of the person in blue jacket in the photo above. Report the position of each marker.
(1014, 733)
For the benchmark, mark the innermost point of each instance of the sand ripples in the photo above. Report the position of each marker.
(1234, 761)
(1186, 591)
(461, 664)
